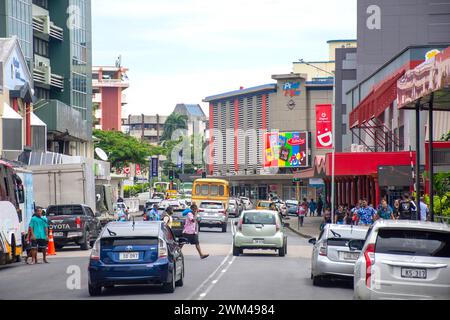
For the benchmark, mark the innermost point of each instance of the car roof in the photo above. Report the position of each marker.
(347, 230)
(261, 211)
(411, 224)
(125, 229)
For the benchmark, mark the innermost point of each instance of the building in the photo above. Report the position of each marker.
(56, 39)
(386, 27)
(20, 128)
(197, 119)
(108, 84)
(322, 69)
(241, 122)
(146, 128)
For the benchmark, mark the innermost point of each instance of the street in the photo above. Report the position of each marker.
(256, 275)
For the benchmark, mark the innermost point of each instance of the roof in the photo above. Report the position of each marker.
(343, 40)
(211, 181)
(125, 229)
(6, 47)
(190, 110)
(236, 93)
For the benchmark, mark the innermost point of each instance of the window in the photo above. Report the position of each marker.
(197, 189)
(41, 3)
(221, 191)
(41, 47)
(214, 190)
(205, 190)
(259, 218)
(413, 243)
(123, 242)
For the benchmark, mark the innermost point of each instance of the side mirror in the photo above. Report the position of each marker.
(312, 241)
(356, 245)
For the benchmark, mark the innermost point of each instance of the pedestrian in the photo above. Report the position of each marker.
(326, 218)
(396, 208)
(319, 207)
(39, 236)
(423, 210)
(190, 230)
(385, 211)
(340, 215)
(312, 208)
(407, 208)
(152, 214)
(348, 217)
(167, 216)
(301, 212)
(365, 215)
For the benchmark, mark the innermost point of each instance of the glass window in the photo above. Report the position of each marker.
(259, 218)
(205, 190)
(197, 189)
(214, 190)
(221, 191)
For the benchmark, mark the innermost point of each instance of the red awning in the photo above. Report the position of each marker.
(432, 76)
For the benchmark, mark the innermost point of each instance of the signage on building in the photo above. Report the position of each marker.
(291, 89)
(286, 150)
(15, 72)
(324, 126)
(154, 167)
(138, 169)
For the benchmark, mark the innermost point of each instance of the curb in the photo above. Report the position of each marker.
(306, 236)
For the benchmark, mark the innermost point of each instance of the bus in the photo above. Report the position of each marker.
(12, 196)
(211, 189)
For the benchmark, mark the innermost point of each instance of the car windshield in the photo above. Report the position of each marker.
(211, 205)
(65, 211)
(259, 218)
(413, 242)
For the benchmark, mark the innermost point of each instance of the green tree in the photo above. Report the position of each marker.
(446, 137)
(123, 149)
(174, 122)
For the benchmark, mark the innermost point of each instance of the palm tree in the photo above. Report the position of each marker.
(174, 122)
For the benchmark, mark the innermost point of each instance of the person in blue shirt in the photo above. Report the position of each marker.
(39, 236)
(153, 214)
(121, 216)
(385, 211)
(312, 208)
(366, 214)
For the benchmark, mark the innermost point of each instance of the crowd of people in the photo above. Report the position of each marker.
(364, 213)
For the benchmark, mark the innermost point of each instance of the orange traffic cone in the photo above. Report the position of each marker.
(51, 245)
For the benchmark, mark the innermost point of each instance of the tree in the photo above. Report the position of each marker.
(123, 149)
(174, 122)
(446, 137)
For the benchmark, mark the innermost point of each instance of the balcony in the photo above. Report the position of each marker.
(56, 32)
(110, 83)
(39, 24)
(62, 119)
(42, 73)
(97, 98)
(57, 81)
(44, 25)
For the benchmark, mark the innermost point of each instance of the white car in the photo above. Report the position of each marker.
(175, 204)
(404, 260)
(247, 203)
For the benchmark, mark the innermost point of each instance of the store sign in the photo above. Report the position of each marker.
(154, 167)
(138, 169)
(15, 72)
(324, 126)
(286, 150)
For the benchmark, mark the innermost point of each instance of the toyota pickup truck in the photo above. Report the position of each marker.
(73, 224)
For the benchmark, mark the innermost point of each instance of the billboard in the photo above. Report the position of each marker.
(286, 150)
(324, 126)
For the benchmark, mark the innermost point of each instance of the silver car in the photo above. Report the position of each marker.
(331, 256)
(404, 260)
(213, 215)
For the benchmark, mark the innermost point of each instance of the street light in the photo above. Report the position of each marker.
(333, 155)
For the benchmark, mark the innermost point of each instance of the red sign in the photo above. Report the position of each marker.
(324, 126)
(138, 170)
(127, 170)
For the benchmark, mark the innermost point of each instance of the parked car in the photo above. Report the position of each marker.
(73, 223)
(247, 203)
(260, 229)
(233, 208)
(213, 215)
(136, 253)
(331, 256)
(292, 207)
(404, 260)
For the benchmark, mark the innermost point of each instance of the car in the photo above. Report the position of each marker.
(73, 224)
(331, 256)
(292, 207)
(233, 208)
(212, 214)
(247, 203)
(175, 204)
(150, 203)
(403, 259)
(260, 229)
(281, 207)
(264, 205)
(178, 222)
(134, 253)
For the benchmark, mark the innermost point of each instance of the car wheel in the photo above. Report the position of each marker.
(86, 242)
(169, 287)
(317, 281)
(236, 251)
(282, 251)
(95, 291)
(180, 282)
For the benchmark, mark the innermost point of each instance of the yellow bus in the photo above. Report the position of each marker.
(211, 189)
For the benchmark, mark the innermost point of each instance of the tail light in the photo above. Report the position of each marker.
(78, 222)
(95, 253)
(278, 226)
(162, 249)
(241, 222)
(369, 256)
(323, 249)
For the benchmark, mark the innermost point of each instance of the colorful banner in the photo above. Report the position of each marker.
(324, 126)
(286, 150)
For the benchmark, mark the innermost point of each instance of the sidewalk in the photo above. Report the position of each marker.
(310, 229)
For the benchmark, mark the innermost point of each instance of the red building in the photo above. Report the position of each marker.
(108, 84)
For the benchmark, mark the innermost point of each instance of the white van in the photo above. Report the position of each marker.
(10, 234)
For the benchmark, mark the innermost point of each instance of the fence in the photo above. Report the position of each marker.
(442, 219)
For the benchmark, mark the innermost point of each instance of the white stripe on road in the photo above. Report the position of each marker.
(204, 294)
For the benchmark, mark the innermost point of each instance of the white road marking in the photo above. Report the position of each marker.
(215, 282)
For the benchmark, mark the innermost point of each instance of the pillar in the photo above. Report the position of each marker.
(28, 124)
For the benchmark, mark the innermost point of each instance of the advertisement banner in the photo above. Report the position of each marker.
(286, 150)
(324, 126)
(154, 167)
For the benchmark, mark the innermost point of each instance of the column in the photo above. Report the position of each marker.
(28, 124)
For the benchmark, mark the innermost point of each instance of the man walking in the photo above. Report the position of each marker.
(319, 207)
(407, 209)
(190, 230)
(424, 211)
(312, 208)
(366, 215)
(39, 236)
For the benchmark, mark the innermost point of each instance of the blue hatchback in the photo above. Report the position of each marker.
(134, 253)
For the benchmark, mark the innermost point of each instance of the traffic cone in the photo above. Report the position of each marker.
(51, 245)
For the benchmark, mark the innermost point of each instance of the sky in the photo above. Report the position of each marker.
(181, 51)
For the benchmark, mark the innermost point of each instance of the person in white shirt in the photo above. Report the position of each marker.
(423, 210)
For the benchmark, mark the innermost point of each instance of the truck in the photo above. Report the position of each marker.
(11, 218)
(67, 184)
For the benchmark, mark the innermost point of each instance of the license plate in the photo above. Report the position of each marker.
(413, 273)
(258, 241)
(353, 256)
(126, 256)
(58, 234)
(176, 224)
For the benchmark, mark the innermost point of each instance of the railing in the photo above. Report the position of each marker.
(56, 32)
(57, 81)
(38, 24)
(442, 219)
(39, 75)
